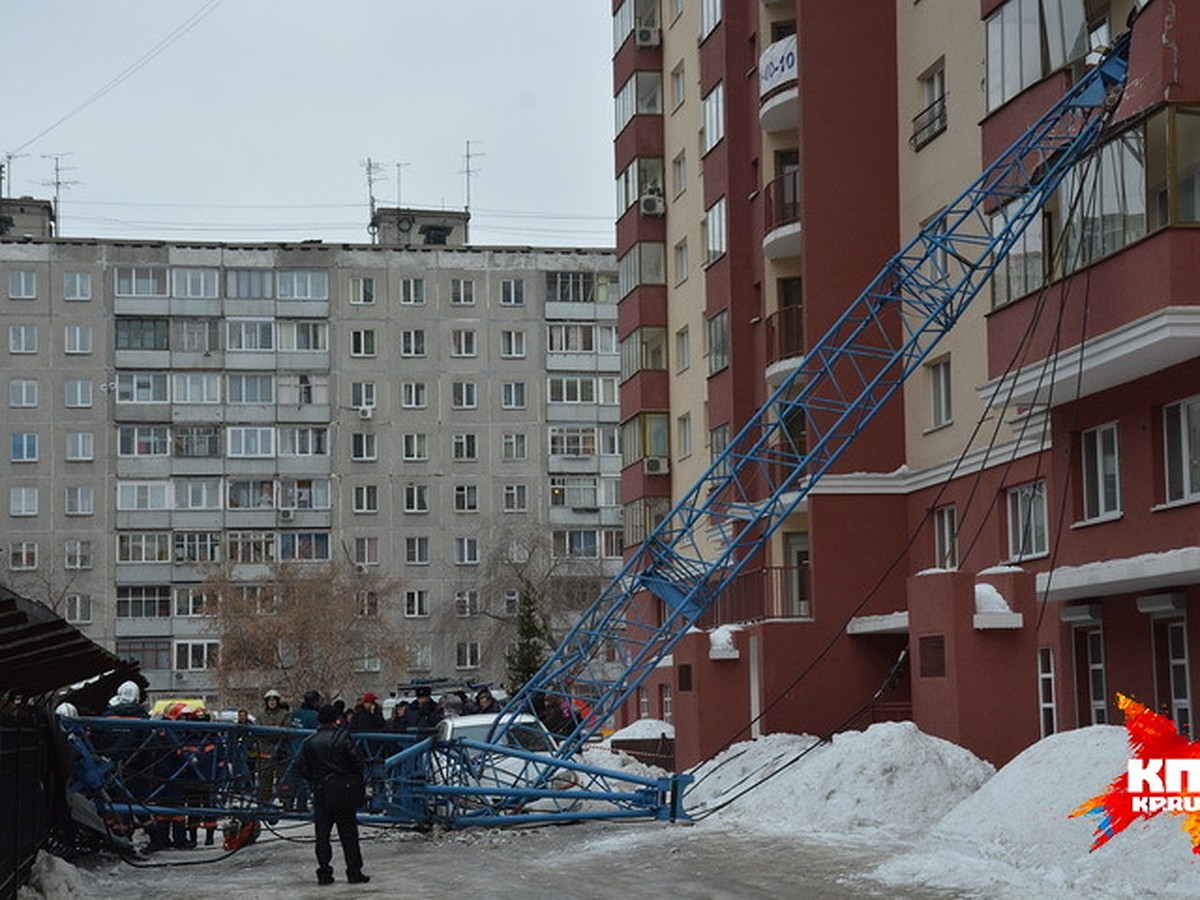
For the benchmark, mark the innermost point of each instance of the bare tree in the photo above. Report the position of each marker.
(51, 582)
(304, 627)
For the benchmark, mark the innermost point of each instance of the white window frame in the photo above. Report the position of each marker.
(714, 118)
(516, 498)
(412, 291)
(77, 286)
(466, 551)
(22, 501)
(22, 393)
(941, 397)
(362, 343)
(512, 395)
(81, 446)
(77, 339)
(416, 550)
(414, 395)
(463, 343)
(945, 537)
(412, 343)
(1028, 526)
(361, 290)
(464, 395)
(512, 292)
(80, 500)
(22, 284)
(512, 344)
(462, 292)
(415, 447)
(416, 603)
(77, 393)
(465, 447)
(23, 338)
(1101, 469)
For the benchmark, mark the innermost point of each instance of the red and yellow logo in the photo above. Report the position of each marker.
(1163, 775)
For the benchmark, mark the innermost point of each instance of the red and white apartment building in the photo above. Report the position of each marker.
(1024, 518)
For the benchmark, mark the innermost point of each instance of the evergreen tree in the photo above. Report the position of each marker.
(529, 651)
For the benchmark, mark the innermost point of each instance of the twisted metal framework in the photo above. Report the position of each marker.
(769, 468)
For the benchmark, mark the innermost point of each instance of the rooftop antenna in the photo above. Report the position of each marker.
(372, 169)
(58, 184)
(6, 172)
(468, 173)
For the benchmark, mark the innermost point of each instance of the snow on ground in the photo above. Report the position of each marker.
(916, 815)
(643, 729)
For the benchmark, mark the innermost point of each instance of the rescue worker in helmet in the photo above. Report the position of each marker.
(272, 750)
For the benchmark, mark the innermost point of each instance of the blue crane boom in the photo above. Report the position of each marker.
(845, 378)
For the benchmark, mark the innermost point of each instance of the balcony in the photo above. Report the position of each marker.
(785, 343)
(772, 592)
(778, 87)
(928, 123)
(782, 208)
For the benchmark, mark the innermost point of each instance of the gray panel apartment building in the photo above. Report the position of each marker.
(417, 408)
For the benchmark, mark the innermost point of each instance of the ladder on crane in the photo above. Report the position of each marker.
(726, 518)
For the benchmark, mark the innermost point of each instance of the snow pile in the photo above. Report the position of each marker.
(643, 730)
(888, 781)
(720, 641)
(990, 600)
(53, 878)
(1014, 837)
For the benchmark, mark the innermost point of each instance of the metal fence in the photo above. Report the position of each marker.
(26, 794)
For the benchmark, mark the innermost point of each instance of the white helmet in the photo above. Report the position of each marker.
(129, 692)
(272, 693)
(66, 709)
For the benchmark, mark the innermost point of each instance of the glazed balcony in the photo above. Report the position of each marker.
(782, 208)
(778, 86)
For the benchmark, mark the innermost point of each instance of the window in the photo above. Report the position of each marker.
(362, 394)
(416, 498)
(466, 498)
(363, 447)
(641, 95)
(1027, 524)
(251, 494)
(135, 495)
(195, 441)
(572, 338)
(248, 284)
(297, 335)
(516, 498)
(644, 263)
(1114, 181)
(643, 349)
(462, 291)
(464, 447)
(77, 608)
(303, 284)
(304, 493)
(941, 406)
(22, 339)
(414, 395)
(1022, 270)
(412, 342)
(143, 546)
(570, 287)
(415, 447)
(22, 392)
(81, 500)
(1014, 55)
(196, 387)
(683, 436)
(575, 543)
(714, 232)
(514, 447)
(680, 258)
(247, 389)
(303, 441)
(195, 282)
(416, 604)
(512, 395)
(77, 554)
(142, 440)
(22, 285)
(366, 551)
(678, 86)
(718, 342)
(23, 555)
(466, 551)
(713, 131)
(197, 335)
(412, 291)
(362, 342)
(150, 653)
(931, 120)
(1047, 709)
(198, 493)
(303, 390)
(304, 546)
(77, 339)
(23, 501)
(512, 344)
(245, 441)
(462, 342)
(1181, 439)
(572, 389)
(679, 173)
(152, 601)
(142, 387)
(366, 498)
(466, 604)
(141, 281)
(945, 537)
(24, 447)
(81, 446)
(645, 434)
(143, 334)
(574, 491)
(718, 440)
(192, 601)
(666, 702)
(361, 290)
(77, 393)
(1101, 478)
(466, 655)
(463, 395)
(250, 334)
(710, 18)
(572, 440)
(683, 349)
(416, 551)
(512, 292)
(195, 656)
(77, 286)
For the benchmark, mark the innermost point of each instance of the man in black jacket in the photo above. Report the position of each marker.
(332, 765)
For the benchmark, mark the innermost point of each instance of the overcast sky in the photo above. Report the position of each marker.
(253, 119)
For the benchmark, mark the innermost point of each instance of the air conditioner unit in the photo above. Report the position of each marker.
(656, 465)
(366, 412)
(360, 568)
(647, 37)
(652, 205)
(286, 515)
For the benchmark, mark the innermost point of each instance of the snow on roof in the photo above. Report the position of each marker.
(644, 729)
(989, 600)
